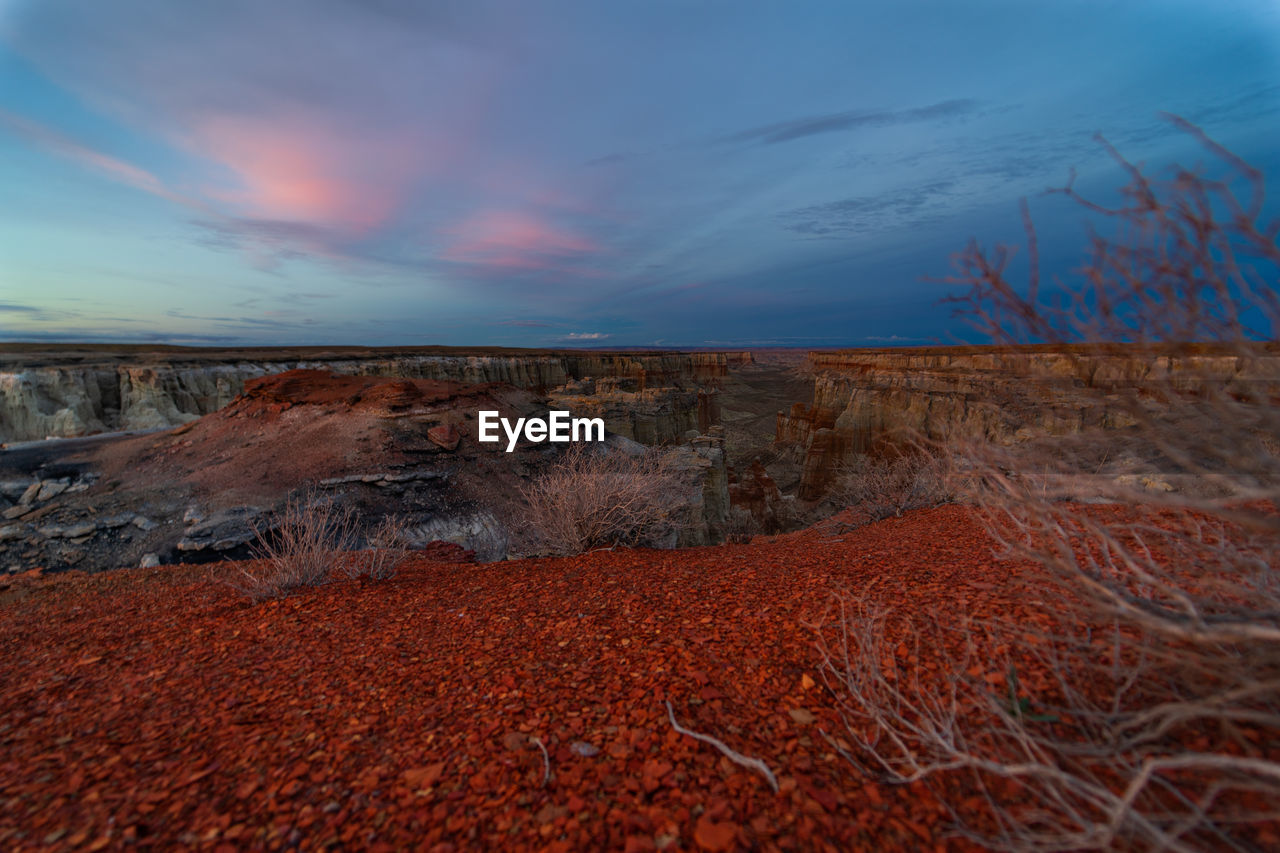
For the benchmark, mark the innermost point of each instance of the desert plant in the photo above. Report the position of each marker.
(386, 549)
(887, 487)
(299, 547)
(1155, 714)
(595, 498)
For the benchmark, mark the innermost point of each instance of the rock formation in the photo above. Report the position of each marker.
(863, 398)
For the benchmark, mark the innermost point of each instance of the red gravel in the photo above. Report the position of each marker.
(155, 708)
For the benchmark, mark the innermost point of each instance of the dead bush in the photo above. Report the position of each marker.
(593, 498)
(386, 549)
(888, 487)
(1154, 718)
(300, 547)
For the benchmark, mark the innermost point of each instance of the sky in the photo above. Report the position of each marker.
(657, 173)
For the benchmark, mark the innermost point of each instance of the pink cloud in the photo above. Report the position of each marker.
(294, 171)
(284, 174)
(518, 241)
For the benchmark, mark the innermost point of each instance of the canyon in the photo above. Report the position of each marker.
(195, 449)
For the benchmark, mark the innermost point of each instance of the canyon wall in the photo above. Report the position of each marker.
(653, 397)
(864, 399)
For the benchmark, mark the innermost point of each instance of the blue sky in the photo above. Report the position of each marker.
(575, 173)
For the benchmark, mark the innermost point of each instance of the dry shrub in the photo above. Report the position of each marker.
(387, 547)
(887, 487)
(300, 547)
(1142, 708)
(593, 498)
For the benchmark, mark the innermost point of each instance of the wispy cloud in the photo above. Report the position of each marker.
(515, 240)
(786, 131)
(296, 169)
(21, 313)
(890, 209)
(897, 339)
(267, 243)
(114, 335)
(46, 138)
(613, 159)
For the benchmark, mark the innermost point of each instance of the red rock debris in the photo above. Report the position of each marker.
(156, 709)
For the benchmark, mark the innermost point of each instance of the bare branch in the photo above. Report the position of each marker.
(546, 760)
(736, 757)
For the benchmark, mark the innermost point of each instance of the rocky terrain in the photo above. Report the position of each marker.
(72, 390)
(863, 399)
(207, 489)
(509, 706)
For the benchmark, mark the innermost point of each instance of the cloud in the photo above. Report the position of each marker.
(261, 130)
(892, 209)
(511, 240)
(317, 216)
(45, 138)
(116, 336)
(21, 313)
(613, 159)
(586, 336)
(269, 243)
(786, 131)
(295, 168)
(897, 339)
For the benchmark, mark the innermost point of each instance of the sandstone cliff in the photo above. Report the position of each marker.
(865, 398)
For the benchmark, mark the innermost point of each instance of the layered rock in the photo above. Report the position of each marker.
(56, 395)
(863, 399)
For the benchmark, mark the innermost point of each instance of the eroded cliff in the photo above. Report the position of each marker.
(863, 399)
(652, 397)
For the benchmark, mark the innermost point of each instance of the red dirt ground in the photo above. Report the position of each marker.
(156, 709)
